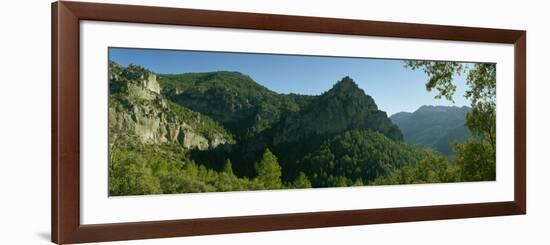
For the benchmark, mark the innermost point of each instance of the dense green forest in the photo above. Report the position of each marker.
(222, 131)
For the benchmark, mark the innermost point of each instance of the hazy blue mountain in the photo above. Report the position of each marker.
(435, 127)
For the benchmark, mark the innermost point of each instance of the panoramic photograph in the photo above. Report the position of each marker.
(204, 121)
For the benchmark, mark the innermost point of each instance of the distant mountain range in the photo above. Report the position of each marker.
(434, 127)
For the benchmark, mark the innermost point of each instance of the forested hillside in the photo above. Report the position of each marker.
(434, 127)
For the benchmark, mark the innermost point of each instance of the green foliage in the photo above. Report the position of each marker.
(301, 181)
(476, 159)
(482, 82)
(432, 168)
(129, 174)
(135, 72)
(139, 170)
(482, 119)
(356, 156)
(440, 75)
(269, 171)
(228, 167)
(481, 122)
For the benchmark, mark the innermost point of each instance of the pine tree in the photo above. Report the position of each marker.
(269, 171)
(301, 181)
(228, 167)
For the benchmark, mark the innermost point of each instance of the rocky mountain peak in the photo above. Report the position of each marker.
(346, 95)
(344, 107)
(346, 85)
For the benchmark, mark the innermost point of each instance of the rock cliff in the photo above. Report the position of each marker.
(137, 110)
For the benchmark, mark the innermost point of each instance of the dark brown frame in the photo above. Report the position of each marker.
(66, 227)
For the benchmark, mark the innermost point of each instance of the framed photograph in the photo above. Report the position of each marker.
(176, 122)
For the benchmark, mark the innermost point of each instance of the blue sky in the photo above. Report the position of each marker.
(393, 87)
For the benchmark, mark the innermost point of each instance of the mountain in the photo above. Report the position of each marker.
(235, 100)
(247, 108)
(344, 107)
(260, 118)
(435, 127)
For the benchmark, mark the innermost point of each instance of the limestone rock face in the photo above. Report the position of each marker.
(151, 83)
(141, 112)
(145, 88)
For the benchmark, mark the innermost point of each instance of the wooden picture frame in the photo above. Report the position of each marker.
(65, 171)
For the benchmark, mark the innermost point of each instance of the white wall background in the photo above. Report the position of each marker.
(25, 121)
